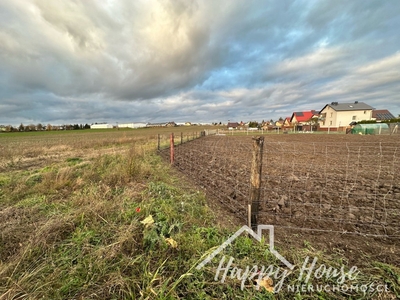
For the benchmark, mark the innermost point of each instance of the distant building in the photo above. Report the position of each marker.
(183, 124)
(278, 123)
(157, 124)
(303, 117)
(163, 124)
(132, 125)
(101, 126)
(303, 120)
(337, 115)
(382, 115)
(287, 122)
(233, 125)
(171, 124)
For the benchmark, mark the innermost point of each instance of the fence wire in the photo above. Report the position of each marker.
(344, 186)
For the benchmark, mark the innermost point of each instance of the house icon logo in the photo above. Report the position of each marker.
(257, 236)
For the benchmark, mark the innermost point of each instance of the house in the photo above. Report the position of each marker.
(303, 117)
(267, 125)
(287, 122)
(163, 124)
(302, 120)
(233, 125)
(337, 116)
(171, 124)
(185, 124)
(157, 124)
(382, 115)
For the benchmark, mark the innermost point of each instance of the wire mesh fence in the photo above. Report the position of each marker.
(344, 185)
(179, 138)
(347, 187)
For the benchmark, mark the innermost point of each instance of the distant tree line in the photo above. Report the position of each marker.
(41, 127)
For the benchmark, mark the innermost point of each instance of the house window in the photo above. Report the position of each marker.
(354, 118)
(331, 114)
(330, 123)
(365, 112)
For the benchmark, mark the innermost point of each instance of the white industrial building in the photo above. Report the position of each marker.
(132, 125)
(101, 126)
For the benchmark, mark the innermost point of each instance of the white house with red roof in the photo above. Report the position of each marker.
(303, 117)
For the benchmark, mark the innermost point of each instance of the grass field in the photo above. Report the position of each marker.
(99, 215)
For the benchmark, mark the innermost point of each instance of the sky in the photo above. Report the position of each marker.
(200, 61)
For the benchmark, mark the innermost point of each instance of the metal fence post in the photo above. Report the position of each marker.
(181, 138)
(255, 180)
(158, 142)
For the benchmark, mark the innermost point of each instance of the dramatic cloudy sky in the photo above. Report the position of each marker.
(207, 60)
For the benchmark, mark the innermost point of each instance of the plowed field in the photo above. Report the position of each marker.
(336, 191)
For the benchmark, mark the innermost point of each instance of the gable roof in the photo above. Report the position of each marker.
(233, 124)
(382, 114)
(348, 106)
(303, 116)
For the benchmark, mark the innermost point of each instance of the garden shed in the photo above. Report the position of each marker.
(375, 128)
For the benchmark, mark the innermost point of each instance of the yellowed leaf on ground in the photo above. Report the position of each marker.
(148, 221)
(267, 283)
(172, 242)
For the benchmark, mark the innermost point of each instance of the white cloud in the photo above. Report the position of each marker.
(170, 59)
(376, 76)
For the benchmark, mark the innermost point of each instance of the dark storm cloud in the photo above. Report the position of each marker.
(78, 61)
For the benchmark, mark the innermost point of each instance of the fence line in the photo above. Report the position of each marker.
(342, 186)
(163, 140)
(393, 129)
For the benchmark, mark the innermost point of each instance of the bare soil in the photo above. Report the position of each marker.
(338, 193)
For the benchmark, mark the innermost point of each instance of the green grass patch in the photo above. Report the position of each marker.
(73, 160)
